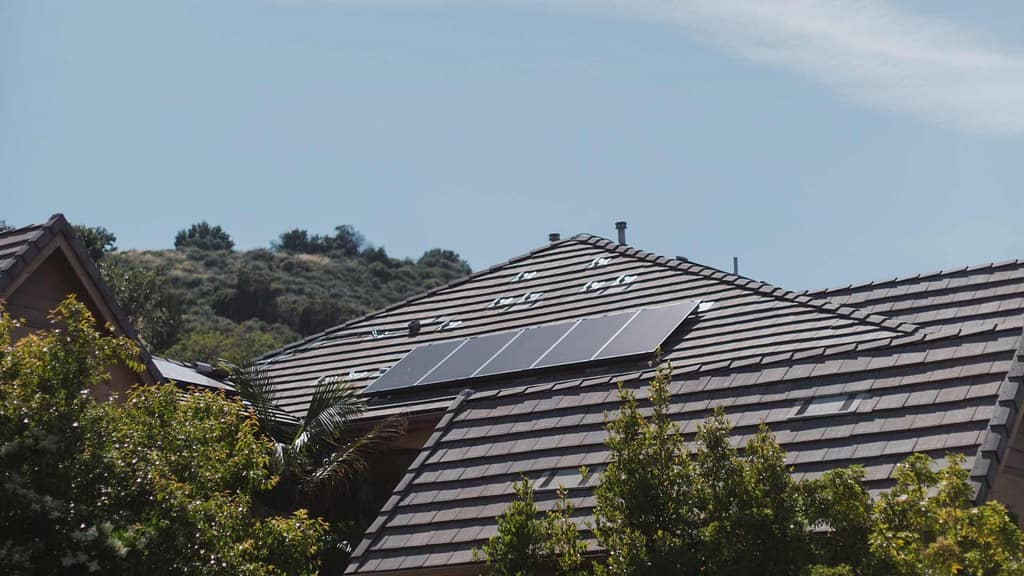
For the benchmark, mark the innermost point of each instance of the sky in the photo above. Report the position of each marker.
(821, 142)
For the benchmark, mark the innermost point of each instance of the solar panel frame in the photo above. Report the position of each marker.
(408, 372)
(636, 337)
(532, 348)
(588, 337)
(528, 347)
(465, 361)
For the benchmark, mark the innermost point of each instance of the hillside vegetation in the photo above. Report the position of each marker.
(205, 300)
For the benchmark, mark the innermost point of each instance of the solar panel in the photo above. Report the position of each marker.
(585, 340)
(618, 335)
(647, 330)
(526, 349)
(469, 358)
(414, 366)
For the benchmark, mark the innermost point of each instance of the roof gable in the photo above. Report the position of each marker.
(24, 250)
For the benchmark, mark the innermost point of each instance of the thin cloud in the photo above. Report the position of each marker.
(869, 52)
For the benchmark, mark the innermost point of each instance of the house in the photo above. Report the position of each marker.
(40, 265)
(865, 374)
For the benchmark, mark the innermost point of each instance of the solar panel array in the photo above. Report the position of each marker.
(619, 335)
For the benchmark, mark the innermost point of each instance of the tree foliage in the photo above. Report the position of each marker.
(345, 241)
(320, 457)
(664, 508)
(285, 293)
(98, 241)
(157, 484)
(203, 236)
(153, 308)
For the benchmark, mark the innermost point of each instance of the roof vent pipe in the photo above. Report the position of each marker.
(621, 227)
(554, 237)
(736, 265)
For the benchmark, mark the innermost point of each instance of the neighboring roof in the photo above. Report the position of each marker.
(23, 249)
(762, 353)
(968, 296)
(188, 374)
(750, 322)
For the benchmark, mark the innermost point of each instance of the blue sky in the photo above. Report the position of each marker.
(822, 142)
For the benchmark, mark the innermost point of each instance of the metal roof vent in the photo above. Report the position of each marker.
(554, 237)
(620, 227)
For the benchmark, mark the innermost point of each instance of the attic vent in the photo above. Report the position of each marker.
(828, 406)
(524, 275)
(599, 261)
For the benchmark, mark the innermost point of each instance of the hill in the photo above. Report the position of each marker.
(205, 300)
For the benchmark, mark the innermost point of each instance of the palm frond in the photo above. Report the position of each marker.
(348, 460)
(256, 387)
(332, 407)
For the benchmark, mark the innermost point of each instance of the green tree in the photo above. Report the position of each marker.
(320, 456)
(518, 549)
(662, 510)
(254, 295)
(204, 237)
(236, 343)
(152, 306)
(98, 241)
(157, 484)
(648, 501)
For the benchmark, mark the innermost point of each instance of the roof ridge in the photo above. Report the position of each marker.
(298, 344)
(752, 285)
(908, 278)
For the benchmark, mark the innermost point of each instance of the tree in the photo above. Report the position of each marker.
(254, 295)
(98, 241)
(157, 484)
(228, 341)
(151, 305)
(447, 260)
(662, 509)
(204, 237)
(320, 456)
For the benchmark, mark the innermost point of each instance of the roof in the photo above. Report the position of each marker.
(750, 322)
(22, 249)
(761, 352)
(965, 297)
(188, 374)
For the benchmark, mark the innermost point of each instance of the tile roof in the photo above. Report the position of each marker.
(21, 247)
(750, 323)
(944, 393)
(968, 296)
(955, 383)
